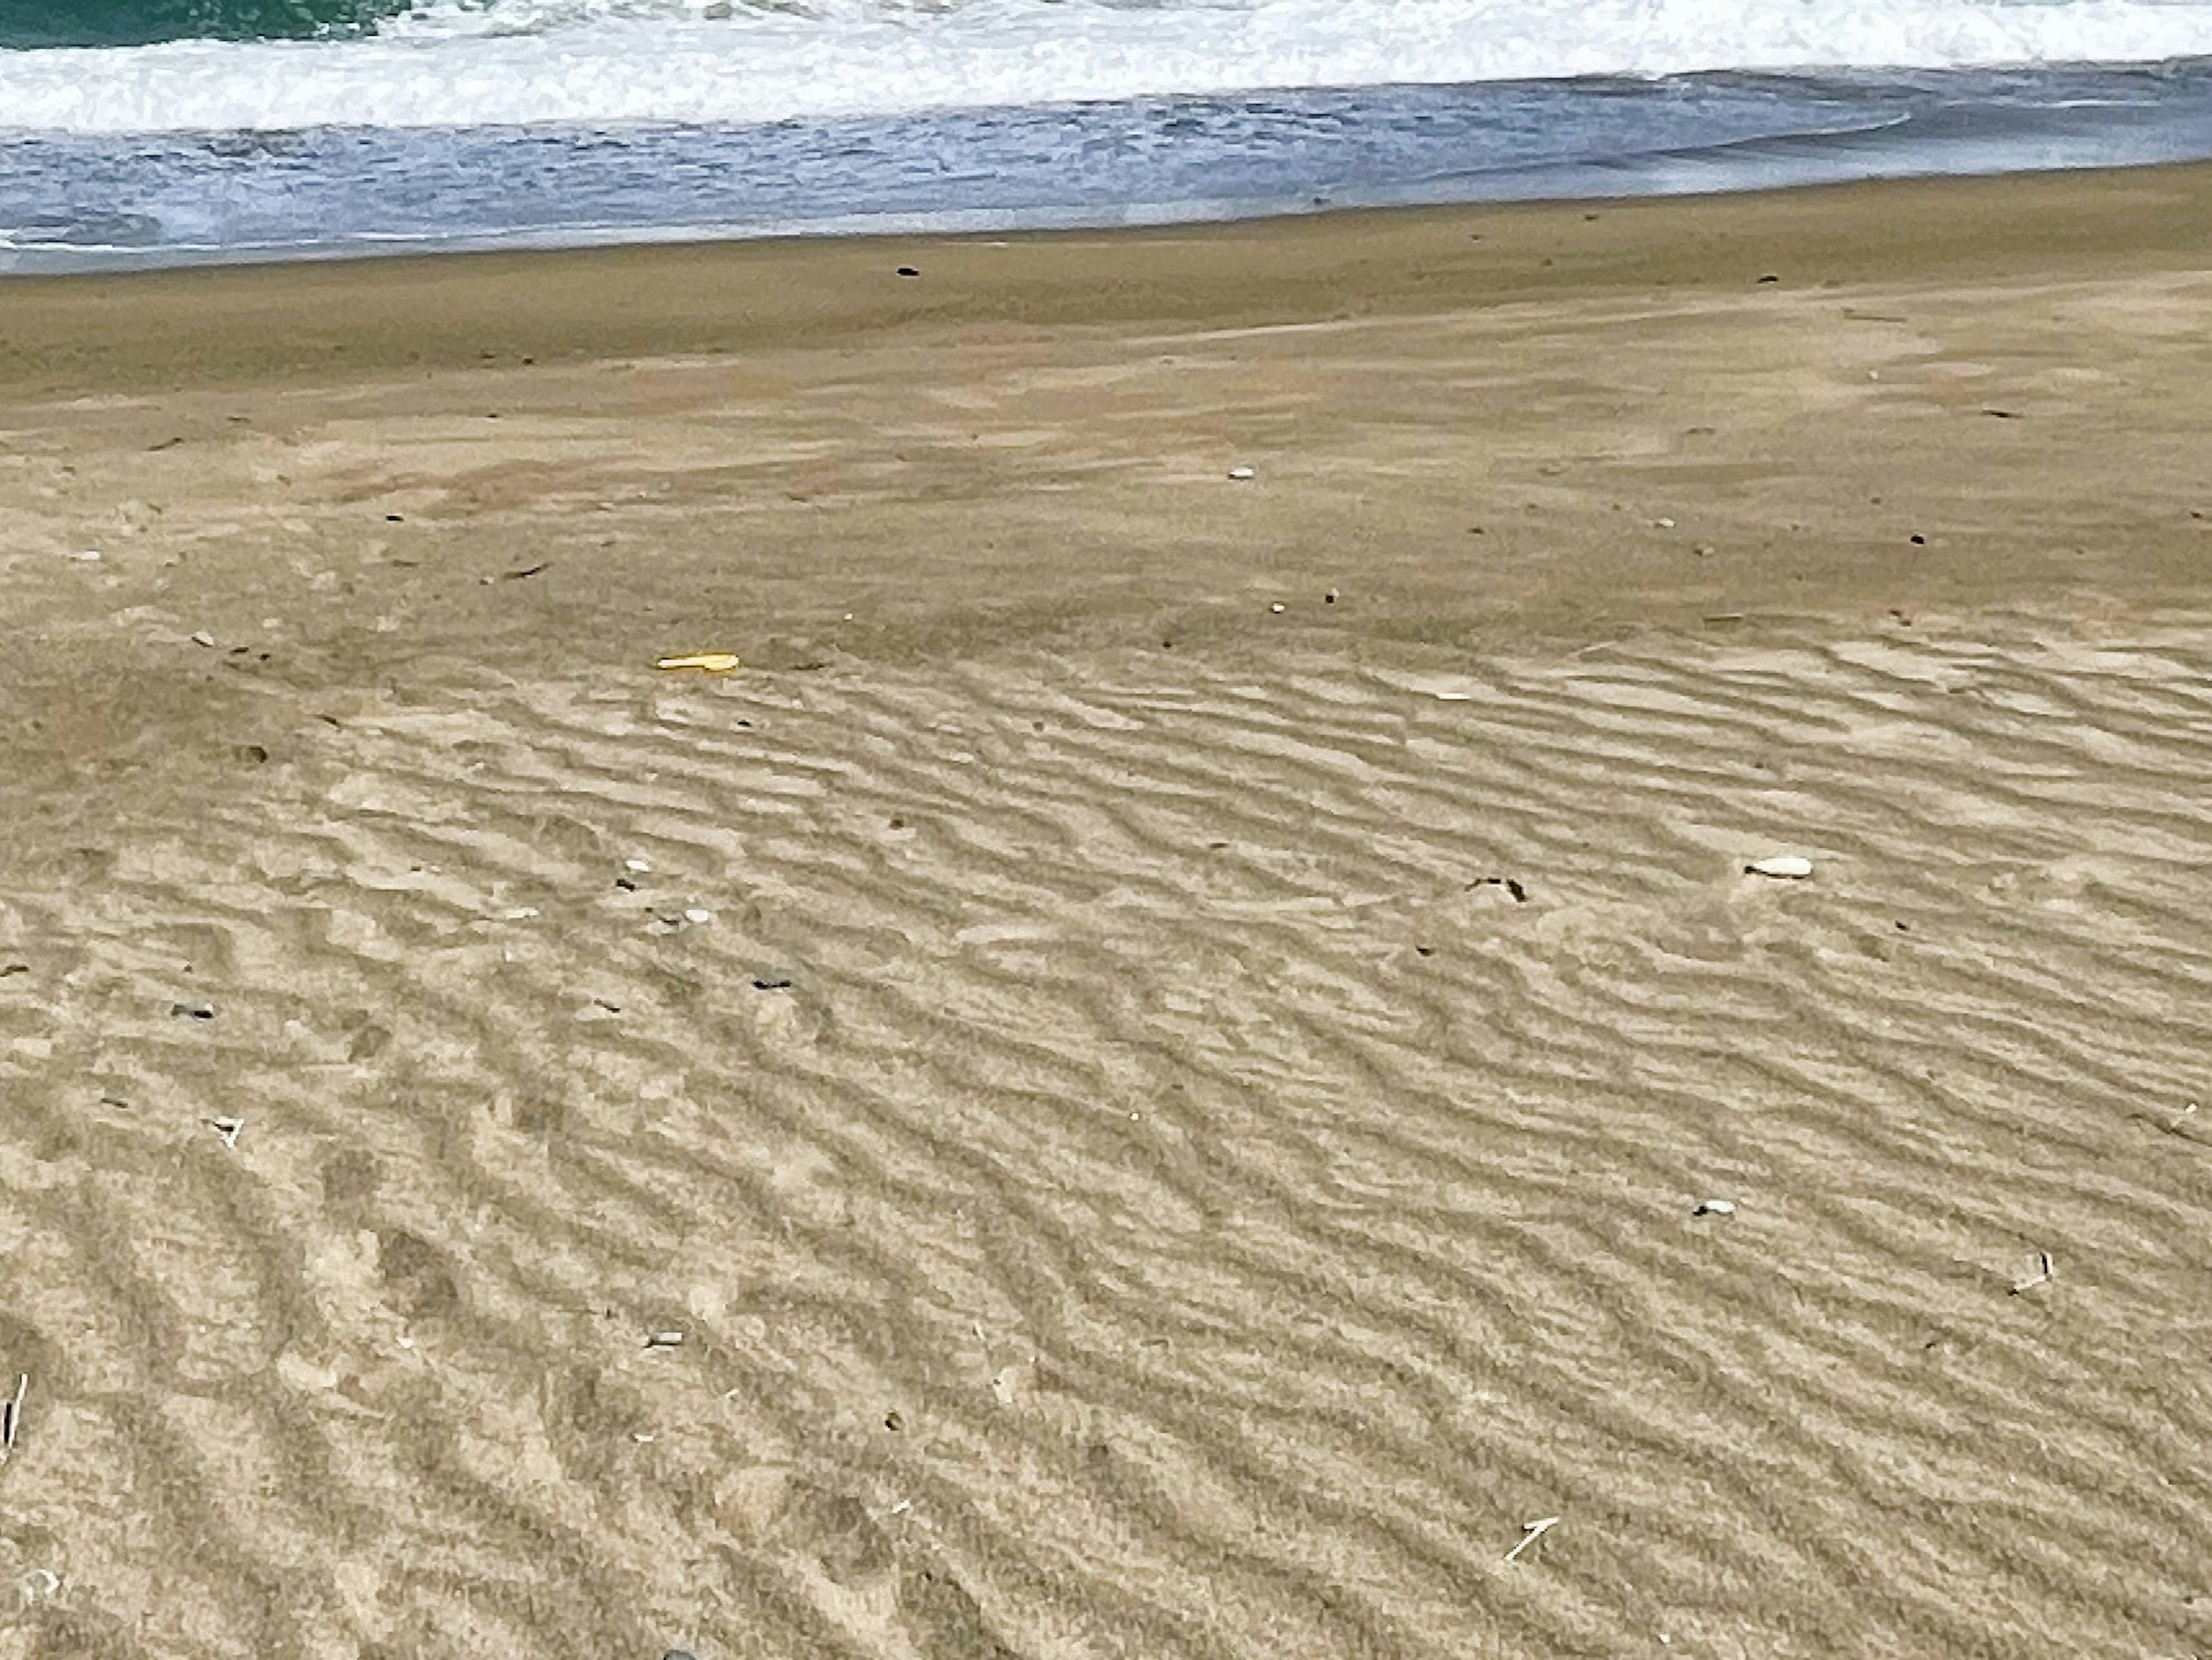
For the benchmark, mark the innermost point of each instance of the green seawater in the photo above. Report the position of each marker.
(29, 24)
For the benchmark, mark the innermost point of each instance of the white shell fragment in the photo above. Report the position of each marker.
(698, 916)
(1785, 867)
(1715, 1208)
(1242, 473)
(665, 1340)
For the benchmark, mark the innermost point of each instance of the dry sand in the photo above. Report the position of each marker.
(1175, 1122)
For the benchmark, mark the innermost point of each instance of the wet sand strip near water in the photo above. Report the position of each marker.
(1204, 1051)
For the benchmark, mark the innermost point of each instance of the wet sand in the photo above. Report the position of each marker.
(1161, 1045)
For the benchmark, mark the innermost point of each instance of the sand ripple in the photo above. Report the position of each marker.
(1146, 1156)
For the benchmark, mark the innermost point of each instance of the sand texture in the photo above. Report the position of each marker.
(1145, 1080)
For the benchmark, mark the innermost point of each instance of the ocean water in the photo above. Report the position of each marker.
(163, 131)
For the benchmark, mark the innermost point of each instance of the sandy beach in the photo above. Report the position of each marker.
(1150, 1077)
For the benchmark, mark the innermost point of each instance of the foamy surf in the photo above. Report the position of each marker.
(72, 201)
(454, 64)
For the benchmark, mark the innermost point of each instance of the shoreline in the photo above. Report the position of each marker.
(410, 312)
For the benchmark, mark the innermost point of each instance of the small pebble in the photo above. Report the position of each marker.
(1662, 524)
(1241, 473)
(637, 867)
(665, 1340)
(698, 916)
(1276, 608)
(203, 638)
(772, 982)
(193, 1011)
(88, 557)
(1715, 1208)
(1783, 867)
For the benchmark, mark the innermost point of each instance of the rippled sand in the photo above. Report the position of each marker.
(1075, 1112)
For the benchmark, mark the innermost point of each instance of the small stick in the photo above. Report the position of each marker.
(11, 1416)
(1530, 1533)
(2041, 1277)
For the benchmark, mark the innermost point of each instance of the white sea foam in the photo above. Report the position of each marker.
(457, 63)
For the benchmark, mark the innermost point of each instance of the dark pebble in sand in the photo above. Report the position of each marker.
(193, 1011)
(907, 270)
(679, 1654)
(772, 982)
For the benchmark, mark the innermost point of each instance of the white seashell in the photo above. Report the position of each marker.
(1715, 1208)
(1787, 866)
(1242, 473)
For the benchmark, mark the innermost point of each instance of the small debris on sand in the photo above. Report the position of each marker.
(1530, 1533)
(2043, 1274)
(11, 1416)
(1783, 867)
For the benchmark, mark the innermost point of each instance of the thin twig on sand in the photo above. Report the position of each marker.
(11, 1416)
(1530, 1533)
(2041, 1276)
